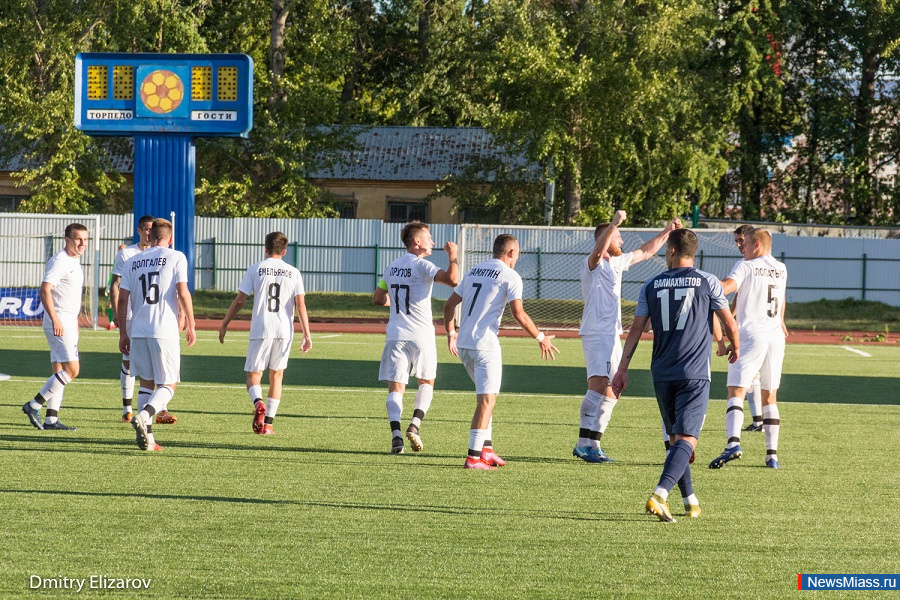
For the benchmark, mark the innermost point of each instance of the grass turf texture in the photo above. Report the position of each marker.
(321, 509)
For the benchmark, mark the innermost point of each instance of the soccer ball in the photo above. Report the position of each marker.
(162, 91)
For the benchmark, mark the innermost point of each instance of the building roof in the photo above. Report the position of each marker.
(118, 155)
(417, 154)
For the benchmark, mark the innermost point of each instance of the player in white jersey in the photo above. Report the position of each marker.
(761, 283)
(61, 298)
(277, 288)
(484, 292)
(155, 283)
(409, 346)
(601, 327)
(126, 378)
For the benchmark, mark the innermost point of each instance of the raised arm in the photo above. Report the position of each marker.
(652, 247)
(545, 341)
(451, 275)
(605, 239)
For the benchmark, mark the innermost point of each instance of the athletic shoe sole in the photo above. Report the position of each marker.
(259, 415)
(140, 432)
(415, 442)
(33, 416)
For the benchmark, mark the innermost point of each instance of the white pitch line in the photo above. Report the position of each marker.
(322, 337)
(855, 351)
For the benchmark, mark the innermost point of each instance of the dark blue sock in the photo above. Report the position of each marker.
(685, 483)
(677, 460)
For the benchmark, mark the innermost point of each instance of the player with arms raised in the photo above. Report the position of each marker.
(277, 288)
(155, 282)
(409, 347)
(761, 284)
(484, 292)
(679, 303)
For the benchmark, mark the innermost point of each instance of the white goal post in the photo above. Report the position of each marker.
(26, 244)
(550, 264)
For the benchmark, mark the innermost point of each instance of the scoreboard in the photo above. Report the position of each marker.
(194, 94)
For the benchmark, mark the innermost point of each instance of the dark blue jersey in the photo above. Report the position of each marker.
(680, 303)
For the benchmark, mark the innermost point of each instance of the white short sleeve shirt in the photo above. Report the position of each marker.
(601, 290)
(410, 280)
(762, 286)
(485, 291)
(274, 285)
(65, 274)
(150, 278)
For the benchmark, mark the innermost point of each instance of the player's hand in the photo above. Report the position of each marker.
(619, 382)
(451, 343)
(547, 347)
(306, 346)
(675, 224)
(124, 342)
(58, 329)
(191, 336)
(450, 248)
(733, 353)
(722, 349)
(784, 330)
(618, 218)
(222, 331)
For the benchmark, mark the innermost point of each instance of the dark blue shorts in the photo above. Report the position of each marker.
(682, 405)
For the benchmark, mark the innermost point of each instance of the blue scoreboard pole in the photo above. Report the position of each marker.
(165, 101)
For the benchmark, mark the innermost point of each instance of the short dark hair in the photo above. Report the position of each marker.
(74, 227)
(502, 244)
(684, 242)
(743, 229)
(161, 228)
(146, 219)
(276, 243)
(598, 231)
(410, 231)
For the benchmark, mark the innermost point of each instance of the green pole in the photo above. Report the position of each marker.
(695, 216)
(539, 272)
(214, 263)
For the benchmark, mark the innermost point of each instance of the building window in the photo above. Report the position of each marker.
(10, 203)
(345, 205)
(405, 211)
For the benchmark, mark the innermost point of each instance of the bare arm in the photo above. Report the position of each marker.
(46, 294)
(545, 341)
(603, 242)
(620, 379)
(652, 247)
(236, 305)
(380, 296)
(300, 301)
(188, 302)
(721, 349)
(449, 321)
(114, 295)
(731, 332)
(451, 275)
(729, 286)
(121, 315)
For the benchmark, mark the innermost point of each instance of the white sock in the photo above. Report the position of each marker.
(590, 404)
(53, 403)
(662, 493)
(143, 397)
(489, 432)
(604, 413)
(160, 398)
(272, 406)
(424, 395)
(126, 380)
(692, 500)
(734, 418)
(754, 401)
(476, 440)
(771, 427)
(151, 441)
(394, 405)
(255, 392)
(54, 384)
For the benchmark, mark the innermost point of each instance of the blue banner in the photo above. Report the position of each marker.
(20, 304)
(848, 582)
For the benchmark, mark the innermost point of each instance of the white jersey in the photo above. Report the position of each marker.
(409, 280)
(118, 269)
(601, 290)
(65, 274)
(485, 290)
(150, 279)
(274, 284)
(762, 283)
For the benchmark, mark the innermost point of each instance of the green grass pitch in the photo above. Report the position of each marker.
(321, 509)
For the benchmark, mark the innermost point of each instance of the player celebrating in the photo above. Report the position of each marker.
(484, 292)
(761, 283)
(409, 347)
(277, 288)
(61, 297)
(679, 304)
(155, 282)
(601, 326)
(126, 378)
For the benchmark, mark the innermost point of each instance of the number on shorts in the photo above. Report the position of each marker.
(273, 299)
(397, 287)
(477, 287)
(149, 287)
(687, 294)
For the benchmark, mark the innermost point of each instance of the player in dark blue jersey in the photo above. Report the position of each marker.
(679, 304)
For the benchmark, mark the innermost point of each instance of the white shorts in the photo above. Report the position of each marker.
(402, 358)
(763, 354)
(602, 354)
(268, 353)
(485, 367)
(156, 360)
(64, 348)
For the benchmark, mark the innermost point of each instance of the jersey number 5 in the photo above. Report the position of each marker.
(772, 305)
(687, 294)
(150, 287)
